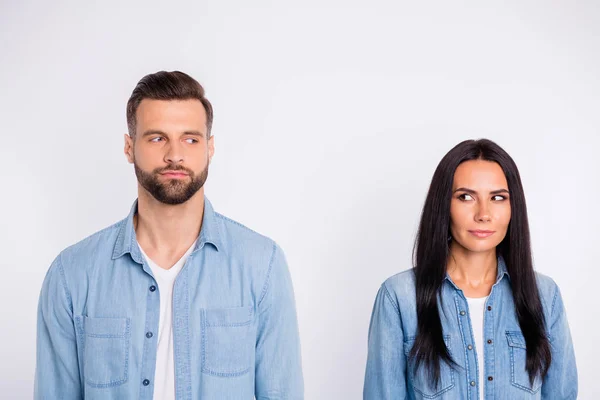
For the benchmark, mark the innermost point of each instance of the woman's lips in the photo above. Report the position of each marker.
(481, 233)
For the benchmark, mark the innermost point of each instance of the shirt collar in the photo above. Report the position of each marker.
(501, 269)
(499, 274)
(127, 243)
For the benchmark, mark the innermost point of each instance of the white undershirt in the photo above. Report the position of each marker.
(164, 375)
(476, 312)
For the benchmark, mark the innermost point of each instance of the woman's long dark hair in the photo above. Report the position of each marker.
(431, 254)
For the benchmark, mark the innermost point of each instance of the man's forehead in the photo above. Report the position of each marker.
(155, 105)
(171, 111)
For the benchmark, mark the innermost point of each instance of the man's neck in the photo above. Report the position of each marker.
(165, 232)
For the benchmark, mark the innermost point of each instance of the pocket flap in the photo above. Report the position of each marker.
(237, 316)
(103, 327)
(409, 342)
(516, 339)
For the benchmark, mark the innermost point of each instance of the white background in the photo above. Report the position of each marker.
(330, 118)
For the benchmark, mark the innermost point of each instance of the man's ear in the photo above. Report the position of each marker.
(128, 150)
(211, 147)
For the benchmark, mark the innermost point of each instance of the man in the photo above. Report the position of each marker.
(175, 301)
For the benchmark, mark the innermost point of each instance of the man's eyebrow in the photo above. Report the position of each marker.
(152, 132)
(159, 132)
(194, 133)
(471, 191)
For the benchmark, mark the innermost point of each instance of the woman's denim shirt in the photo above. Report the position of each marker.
(390, 373)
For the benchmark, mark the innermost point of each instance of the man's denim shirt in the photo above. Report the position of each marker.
(390, 374)
(234, 320)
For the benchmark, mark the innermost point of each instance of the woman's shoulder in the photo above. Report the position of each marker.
(549, 292)
(401, 284)
(546, 285)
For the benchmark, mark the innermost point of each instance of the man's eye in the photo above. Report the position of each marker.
(156, 139)
(191, 141)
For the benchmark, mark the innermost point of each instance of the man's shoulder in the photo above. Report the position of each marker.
(239, 237)
(97, 245)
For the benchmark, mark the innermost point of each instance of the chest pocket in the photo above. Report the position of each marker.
(420, 378)
(228, 341)
(105, 343)
(518, 357)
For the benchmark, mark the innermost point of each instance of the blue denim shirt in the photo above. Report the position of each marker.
(234, 320)
(389, 373)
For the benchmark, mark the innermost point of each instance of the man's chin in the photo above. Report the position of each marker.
(173, 197)
(172, 202)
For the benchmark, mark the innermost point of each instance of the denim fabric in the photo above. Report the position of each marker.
(390, 373)
(234, 320)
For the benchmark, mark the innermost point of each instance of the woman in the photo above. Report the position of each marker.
(471, 320)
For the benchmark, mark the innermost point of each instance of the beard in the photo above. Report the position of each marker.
(173, 191)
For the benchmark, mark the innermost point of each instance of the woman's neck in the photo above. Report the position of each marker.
(473, 272)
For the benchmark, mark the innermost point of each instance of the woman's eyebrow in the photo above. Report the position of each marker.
(463, 189)
(471, 191)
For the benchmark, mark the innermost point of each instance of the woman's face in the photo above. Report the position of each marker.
(480, 206)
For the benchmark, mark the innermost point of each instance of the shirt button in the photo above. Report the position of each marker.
(472, 383)
(490, 378)
(152, 288)
(462, 313)
(490, 341)
(145, 382)
(489, 308)
(470, 347)
(148, 335)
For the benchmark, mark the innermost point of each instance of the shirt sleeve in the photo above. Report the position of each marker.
(561, 381)
(278, 360)
(385, 376)
(57, 369)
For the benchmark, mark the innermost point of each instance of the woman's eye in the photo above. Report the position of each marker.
(465, 197)
(498, 198)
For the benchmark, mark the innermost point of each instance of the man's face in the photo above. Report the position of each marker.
(171, 151)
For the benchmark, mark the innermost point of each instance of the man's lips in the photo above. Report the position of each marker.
(174, 174)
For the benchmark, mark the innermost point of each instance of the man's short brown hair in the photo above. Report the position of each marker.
(165, 85)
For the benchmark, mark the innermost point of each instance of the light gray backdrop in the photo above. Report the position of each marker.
(330, 117)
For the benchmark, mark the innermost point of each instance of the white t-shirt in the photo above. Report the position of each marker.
(164, 376)
(476, 312)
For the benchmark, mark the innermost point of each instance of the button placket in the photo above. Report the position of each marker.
(488, 324)
(152, 307)
(467, 335)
